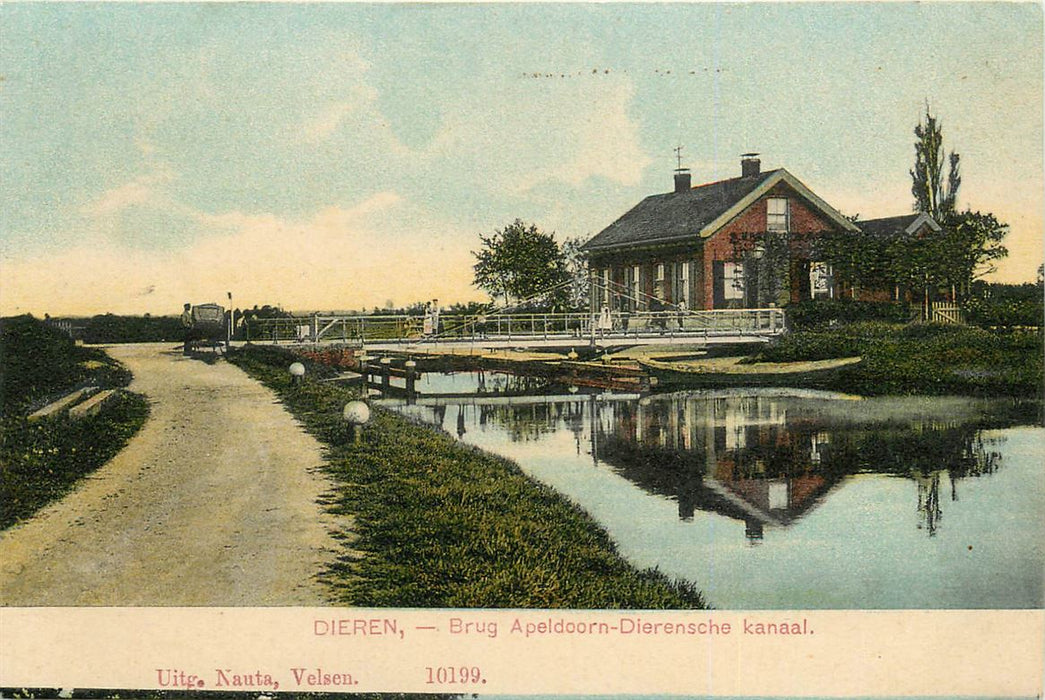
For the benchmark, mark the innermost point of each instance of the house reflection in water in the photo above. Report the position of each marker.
(731, 454)
(768, 460)
(764, 457)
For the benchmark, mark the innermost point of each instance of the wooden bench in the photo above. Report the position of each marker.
(92, 405)
(56, 407)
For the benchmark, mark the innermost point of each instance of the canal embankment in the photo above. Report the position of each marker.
(440, 524)
(865, 358)
(932, 359)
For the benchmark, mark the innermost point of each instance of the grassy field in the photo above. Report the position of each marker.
(922, 358)
(41, 461)
(440, 524)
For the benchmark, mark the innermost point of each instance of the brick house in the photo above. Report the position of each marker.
(700, 246)
(915, 225)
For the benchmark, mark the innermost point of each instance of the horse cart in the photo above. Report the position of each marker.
(209, 328)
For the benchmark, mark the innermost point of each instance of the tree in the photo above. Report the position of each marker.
(968, 246)
(577, 267)
(969, 241)
(522, 264)
(927, 185)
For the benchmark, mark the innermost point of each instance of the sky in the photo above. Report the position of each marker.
(340, 156)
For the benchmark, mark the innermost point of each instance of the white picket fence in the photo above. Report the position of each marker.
(945, 312)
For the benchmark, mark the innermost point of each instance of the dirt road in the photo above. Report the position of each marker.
(213, 502)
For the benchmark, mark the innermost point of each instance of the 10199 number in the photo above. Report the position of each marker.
(454, 675)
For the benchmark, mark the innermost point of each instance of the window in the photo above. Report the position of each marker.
(660, 272)
(776, 214)
(684, 283)
(733, 281)
(636, 289)
(820, 282)
(606, 287)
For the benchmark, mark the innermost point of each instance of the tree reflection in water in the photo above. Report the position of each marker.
(767, 459)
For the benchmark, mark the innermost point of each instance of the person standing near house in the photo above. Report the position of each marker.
(605, 322)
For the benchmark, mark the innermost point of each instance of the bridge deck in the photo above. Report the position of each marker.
(527, 330)
(559, 341)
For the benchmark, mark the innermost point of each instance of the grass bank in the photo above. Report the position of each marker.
(440, 524)
(922, 358)
(41, 461)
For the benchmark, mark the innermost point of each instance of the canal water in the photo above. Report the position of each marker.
(784, 499)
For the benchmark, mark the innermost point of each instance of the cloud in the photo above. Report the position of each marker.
(143, 190)
(607, 141)
(379, 248)
(326, 119)
(560, 132)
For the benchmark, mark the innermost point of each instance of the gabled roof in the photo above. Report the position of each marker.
(702, 210)
(908, 224)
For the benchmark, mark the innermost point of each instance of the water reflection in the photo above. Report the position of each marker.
(768, 460)
(886, 498)
(765, 459)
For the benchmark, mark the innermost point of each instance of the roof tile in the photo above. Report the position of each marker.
(675, 215)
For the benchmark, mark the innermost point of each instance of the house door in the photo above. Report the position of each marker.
(728, 285)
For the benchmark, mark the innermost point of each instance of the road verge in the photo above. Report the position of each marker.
(441, 524)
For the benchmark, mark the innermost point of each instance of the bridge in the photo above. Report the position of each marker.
(443, 333)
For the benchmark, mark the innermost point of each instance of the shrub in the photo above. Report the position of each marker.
(108, 328)
(925, 358)
(811, 345)
(39, 363)
(820, 312)
(1005, 305)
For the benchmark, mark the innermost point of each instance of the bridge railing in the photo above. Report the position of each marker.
(549, 326)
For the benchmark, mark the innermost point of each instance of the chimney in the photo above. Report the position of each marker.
(750, 165)
(683, 182)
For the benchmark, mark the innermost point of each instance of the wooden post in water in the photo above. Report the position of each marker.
(386, 375)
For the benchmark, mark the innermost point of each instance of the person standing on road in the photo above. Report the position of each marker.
(186, 324)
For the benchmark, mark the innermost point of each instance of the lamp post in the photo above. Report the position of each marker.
(356, 414)
(228, 340)
(757, 253)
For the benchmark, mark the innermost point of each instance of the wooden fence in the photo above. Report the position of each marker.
(945, 312)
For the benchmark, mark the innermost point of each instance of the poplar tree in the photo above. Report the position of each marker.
(932, 194)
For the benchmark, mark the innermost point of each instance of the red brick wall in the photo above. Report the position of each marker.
(803, 220)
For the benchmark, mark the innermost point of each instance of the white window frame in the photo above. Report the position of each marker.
(733, 281)
(778, 214)
(636, 285)
(821, 271)
(606, 286)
